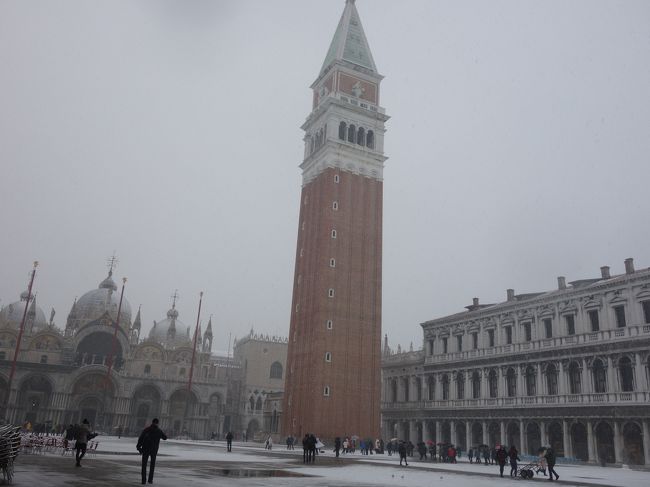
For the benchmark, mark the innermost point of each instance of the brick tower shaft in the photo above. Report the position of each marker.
(333, 380)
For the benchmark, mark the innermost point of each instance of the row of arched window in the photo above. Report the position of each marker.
(550, 375)
(357, 135)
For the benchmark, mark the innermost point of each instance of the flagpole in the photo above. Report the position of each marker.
(189, 381)
(20, 336)
(107, 379)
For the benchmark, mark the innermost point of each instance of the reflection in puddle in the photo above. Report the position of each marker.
(251, 472)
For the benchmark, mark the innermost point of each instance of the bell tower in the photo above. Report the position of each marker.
(333, 364)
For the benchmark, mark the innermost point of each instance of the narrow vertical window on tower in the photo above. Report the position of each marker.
(329, 324)
(352, 133)
(328, 356)
(336, 178)
(330, 293)
(370, 140)
(335, 205)
(333, 233)
(361, 136)
(343, 129)
(332, 263)
(326, 391)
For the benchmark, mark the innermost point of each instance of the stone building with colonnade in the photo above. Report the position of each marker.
(569, 368)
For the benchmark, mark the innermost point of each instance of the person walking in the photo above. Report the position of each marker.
(269, 443)
(401, 449)
(541, 463)
(305, 448)
(470, 455)
(337, 446)
(514, 457)
(148, 444)
(311, 456)
(69, 436)
(82, 435)
(550, 461)
(229, 437)
(389, 448)
(501, 456)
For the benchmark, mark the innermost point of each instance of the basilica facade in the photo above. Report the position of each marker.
(62, 375)
(569, 368)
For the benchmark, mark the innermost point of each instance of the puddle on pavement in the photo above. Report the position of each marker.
(254, 472)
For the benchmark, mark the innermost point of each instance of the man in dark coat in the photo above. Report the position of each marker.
(229, 436)
(501, 455)
(312, 449)
(82, 436)
(148, 444)
(337, 446)
(401, 449)
(550, 460)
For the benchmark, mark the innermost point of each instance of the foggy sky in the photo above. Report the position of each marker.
(168, 131)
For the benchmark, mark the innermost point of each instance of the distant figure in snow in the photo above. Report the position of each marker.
(229, 437)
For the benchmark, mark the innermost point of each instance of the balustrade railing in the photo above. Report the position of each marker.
(541, 344)
(641, 397)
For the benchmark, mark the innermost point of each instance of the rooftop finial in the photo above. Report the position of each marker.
(174, 297)
(111, 263)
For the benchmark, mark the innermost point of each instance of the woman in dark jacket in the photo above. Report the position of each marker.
(512, 454)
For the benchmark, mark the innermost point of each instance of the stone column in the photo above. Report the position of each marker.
(452, 431)
(523, 448)
(485, 433)
(469, 394)
(541, 386)
(453, 393)
(485, 392)
(646, 442)
(521, 385)
(500, 384)
(503, 433)
(468, 435)
(542, 434)
(413, 431)
(438, 435)
(612, 385)
(566, 439)
(562, 379)
(586, 383)
(425, 388)
(640, 382)
(426, 434)
(591, 450)
(618, 443)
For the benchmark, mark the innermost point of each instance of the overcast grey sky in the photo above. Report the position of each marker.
(168, 131)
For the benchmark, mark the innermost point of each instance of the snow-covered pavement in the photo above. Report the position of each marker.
(208, 463)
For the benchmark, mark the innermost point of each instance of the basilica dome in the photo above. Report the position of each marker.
(171, 332)
(94, 304)
(12, 315)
